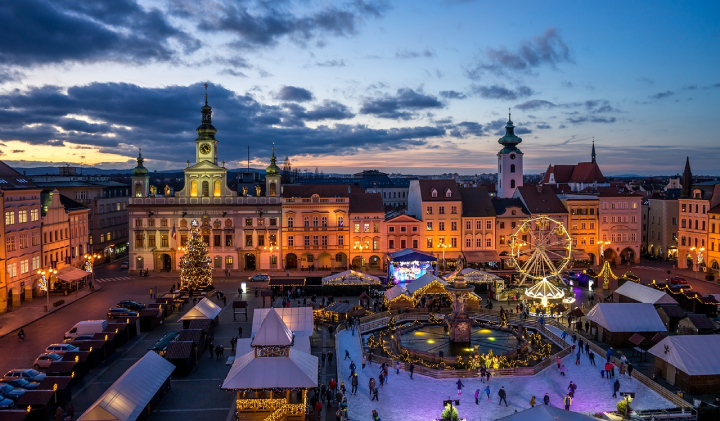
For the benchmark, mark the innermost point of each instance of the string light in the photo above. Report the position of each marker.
(195, 264)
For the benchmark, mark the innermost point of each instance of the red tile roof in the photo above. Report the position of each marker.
(366, 203)
(442, 187)
(539, 199)
(476, 202)
(583, 172)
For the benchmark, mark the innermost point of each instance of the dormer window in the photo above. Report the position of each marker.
(434, 193)
(448, 193)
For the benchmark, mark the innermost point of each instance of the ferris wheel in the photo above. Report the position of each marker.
(540, 248)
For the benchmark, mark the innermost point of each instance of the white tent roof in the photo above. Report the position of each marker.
(244, 345)
(394, 292)
(422, 281)
(129, 395)
(544, 289)
(351, 277)
(547, 413)
(273, 331)
(644, 294)
(298, 319)
(626, 317)
(695, 355)
(205, 309)
(299, 370)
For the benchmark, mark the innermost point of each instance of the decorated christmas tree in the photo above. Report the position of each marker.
(195, 265)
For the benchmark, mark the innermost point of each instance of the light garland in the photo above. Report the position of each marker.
(195, 265)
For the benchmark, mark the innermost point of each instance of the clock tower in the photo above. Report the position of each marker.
(510, 162)
(206, 144)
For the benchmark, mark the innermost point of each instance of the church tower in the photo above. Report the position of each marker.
(272, 177)
(206, 144)
(140, 178)
(510, 162)
(686, 191)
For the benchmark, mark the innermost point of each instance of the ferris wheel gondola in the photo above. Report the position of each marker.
(541, 248)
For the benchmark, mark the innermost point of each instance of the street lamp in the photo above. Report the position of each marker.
(699, 259)
(90, 264)
(361, 248)
(273, 247)
(45, 284)
(444, 246)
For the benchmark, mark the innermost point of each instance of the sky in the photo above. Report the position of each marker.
(399, 86)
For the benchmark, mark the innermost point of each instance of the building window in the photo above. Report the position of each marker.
(248, 240)
(414, 229)
(228, 240)
(324, 221)
(429, 242)
(341, 240)
(415, 244)
(429, 210)
(391, 229)
(357, 227)
(366, 227)
(434, 193)
(24, 241)
(376, 227)
(429, 226)
(291, 241)
(22, 217)
(307, 241)
(341, 221)
(12, 270)
(216, 240)
(10, 243)
(403, 244)
(488, 242)
(502, 225)
(261, 240)
(163, 240)
(102, 238)
(441, 226)
(453, 225)
(248, 222)
(316, 222)
(34, 215)
(448, 193)
(163, 222)
(488, 225)
(468, 242)
(316, 241)
(324, 240)
(10, 218)
(453, 210)
(441, 210)
(391, 244)
(502, 239)
(151, 240)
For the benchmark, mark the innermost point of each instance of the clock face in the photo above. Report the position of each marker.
(205, 148)
(512, 156)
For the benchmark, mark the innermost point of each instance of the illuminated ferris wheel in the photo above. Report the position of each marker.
(540, 248)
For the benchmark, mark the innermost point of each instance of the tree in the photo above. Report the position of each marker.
(450, 414)
(195, 265)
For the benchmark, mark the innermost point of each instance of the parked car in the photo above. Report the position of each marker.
(44, 360)
(131, 305)
(10, 392)
(125, 265)
(61, 349)
(260, 278)
(86, 327)
(120, 312)
(6, 403)
(25, 373)
(80, 338)
(678, 280)
(21, 384)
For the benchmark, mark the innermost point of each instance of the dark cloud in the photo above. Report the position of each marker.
(535, 104)
(547, 49)
(292, 93)
(600, 106)
(10, 75)
(404, 53)
(501, 92)
(232, 72)
(167, 128)
(403, 105)
(452, 95)
(543, 126)
(590, 119)
(258, 24)
(43, 31)
(18, 150)
(331, 63)
(661, 95)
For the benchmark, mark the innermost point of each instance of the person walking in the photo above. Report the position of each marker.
(587, 347)
(572, 387)
(151, 293)
(577, 356)
(608, 354)
(460, 385)
(477, 395)
(239, 331)
(375, 395)
(607, 370)
(532, 402)
(318, 408)
(503, 396)
(616, 387)
(330, 357)
(629, 369)
(563, 370)
(354, 383)
(385, 372)
(487, 391)
(322, 359)
(581, 345)
(371, 384)
(558, 360)
(591, 355)
(364, 361)
(622, 369)
(58, 413)
(612, 369)
(397, 368)
(567, 401)
(347, 355)
(546, 399)
(381, 377)
(412, 369)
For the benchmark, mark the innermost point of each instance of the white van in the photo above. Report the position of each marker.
(87, 327)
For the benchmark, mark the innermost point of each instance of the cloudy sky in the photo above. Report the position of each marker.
(411, 86)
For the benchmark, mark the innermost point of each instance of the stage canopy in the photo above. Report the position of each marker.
(351, 277)
(411, 255)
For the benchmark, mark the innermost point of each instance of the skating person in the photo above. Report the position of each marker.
(354, 383)
(532, 402)
(558, 360)
(375, 395)
(608, 354)
(587, 347)
(375, 416)
(629, 369)
(364, 361)
(567, 401)
(563, 370)
(347, 355)
(477, 395)
(581, 345)
(564, 335)
(381, 377)
(322, 359)
(412, 369)
(460, 385)
(571, 388)
(616, 387)
(591, 355)
(487, 391)
(352, 365)
(607, 370)
(546, 399)
(397, 368)
(612, 370)
(577, 356)
(342, 388)
(330, 357)
(371, 384)
(502, 395)
(622, 369)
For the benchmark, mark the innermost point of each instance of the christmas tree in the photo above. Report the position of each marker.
(195, 265)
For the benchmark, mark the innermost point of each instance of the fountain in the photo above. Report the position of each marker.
(459, 324)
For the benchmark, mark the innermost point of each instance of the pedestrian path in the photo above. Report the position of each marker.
(115, 279)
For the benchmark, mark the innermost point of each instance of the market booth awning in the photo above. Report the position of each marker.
(71, 274)
(351, 277)
(129, 396)
(205, 309)
(411, 255)
(626, 317)
(427, 282)
(578, 254)
(481, 256)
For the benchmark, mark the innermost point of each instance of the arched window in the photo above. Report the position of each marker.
(512, 167)
(341, 221)
(324, 221)
(138, 190)
(315, 221)
(193, 188)
(205, 189)
(307, 222)
(290, 221)
(512, 184)
(216, 188)
(273, 189)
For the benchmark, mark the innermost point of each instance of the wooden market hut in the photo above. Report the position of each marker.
(690, 362)
(398, 298)
(204, 310)
(696, 324)
(428, 286)
(631, 292)
(670, 316)
(615, 323)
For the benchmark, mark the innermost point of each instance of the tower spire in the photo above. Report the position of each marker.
(206, 86)
(686, 180)
(593, 151)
